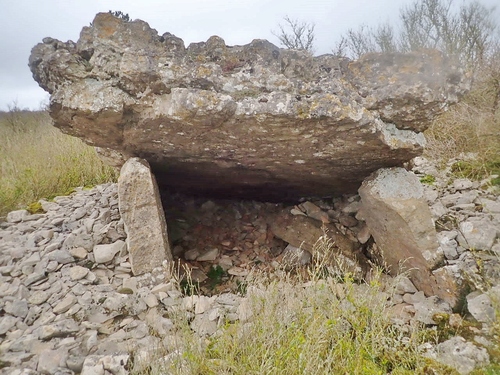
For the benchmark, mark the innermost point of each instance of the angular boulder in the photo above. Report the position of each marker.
(140, 207)
(252, 121)
(399, 219)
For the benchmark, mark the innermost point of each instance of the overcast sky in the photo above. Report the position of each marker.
(25, 23)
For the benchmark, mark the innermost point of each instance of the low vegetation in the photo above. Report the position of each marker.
(38, 161)
(307, 323)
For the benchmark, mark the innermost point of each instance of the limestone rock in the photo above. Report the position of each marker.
(481, 307)
(305, 233)
(395, 210)
(296, 257)
(238, 120)
(106, 252)
(461, 355)
(17, 216)
(477, 234)
(143, 217)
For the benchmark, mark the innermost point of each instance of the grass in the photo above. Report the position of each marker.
(38, 161)
(299, 324)
(471, 127)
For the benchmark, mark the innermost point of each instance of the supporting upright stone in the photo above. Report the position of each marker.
(395, 210)
(142, 213)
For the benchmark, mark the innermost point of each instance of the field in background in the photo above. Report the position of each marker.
(38, 161)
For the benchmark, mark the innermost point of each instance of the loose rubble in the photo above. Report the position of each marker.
(70, 303)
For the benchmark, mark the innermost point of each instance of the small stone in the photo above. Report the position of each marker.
(461, 355)
(106, 253)
(17, 216)
(191, 254)
(462, 184)
(61, 256)
(151, 300)
(481, 307)
(7, 323)
(61, 328)
(65, 304)
(296, 257)
(39, 297)
(237, 271)
(78, 252)
(34, 277)
(203, 304)
(209, 256)
(477, 234)
(78, 272)
(404, 285)
(18, 308)
(50, 360)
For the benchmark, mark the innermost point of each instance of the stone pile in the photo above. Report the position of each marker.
(70, 303)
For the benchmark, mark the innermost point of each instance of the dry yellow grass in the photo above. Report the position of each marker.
(472, 126)
(38, 161)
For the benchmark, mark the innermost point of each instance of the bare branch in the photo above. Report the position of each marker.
(296, 34)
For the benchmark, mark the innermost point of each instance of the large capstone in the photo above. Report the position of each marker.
(252, 121)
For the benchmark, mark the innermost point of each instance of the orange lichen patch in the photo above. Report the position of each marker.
(106, 25)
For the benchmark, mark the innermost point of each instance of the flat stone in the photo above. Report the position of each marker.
(481, 307)
(209, 255)
(296, 257)
(462, 184)
(39, 297)
(7, 323)
(61, 256)
(477, 234)
(51, 360)
(105, 253)
(18, 308)
(461, 355)
(34, 277)
(17, 216)
(65, 304)
(425, 310)
(61, 328)
(78, 272)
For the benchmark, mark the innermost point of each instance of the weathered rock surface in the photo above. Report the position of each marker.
(397, 215)
(249, 120)
(143, 217)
